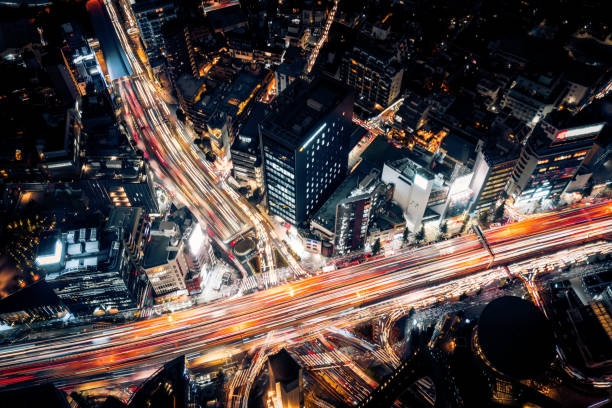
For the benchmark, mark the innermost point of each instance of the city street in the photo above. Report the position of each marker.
(432, 272)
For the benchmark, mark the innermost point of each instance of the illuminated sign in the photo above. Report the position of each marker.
(315, 134)
(580, 131)
(196, 239)
(53, 258)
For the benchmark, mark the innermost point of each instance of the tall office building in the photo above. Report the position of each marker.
(151, 16)
(549, 161)
(354, 214)
(305, 144)
(164, 263)
(374, 74)
(113, 174)
(345, 218)
(245, 151)
(492, 170)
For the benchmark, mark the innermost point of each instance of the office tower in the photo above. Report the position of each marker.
(183, 39)
(113, 174)
(246, 152)
(413, 184)
(163, 262)
(344, 219)
(304, 142)
(80, 60)
(151, 16)
(492, 171)
(373, 72)
(551, 159)
(354, 214)
(493, 167)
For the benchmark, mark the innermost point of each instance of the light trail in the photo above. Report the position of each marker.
(184, 168)
(300, 308)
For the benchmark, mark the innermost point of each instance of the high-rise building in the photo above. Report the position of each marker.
(133, 226)
(163, 262)
(34, 302)
(354, 214)
(492, 171)
(113, 174)
(550, 159)
(374, 74)
(151, 16)
(344, 219)
(81, 60)
(182, 38)
(305, 142)
(176, 251)
(286, 381)
(189, 91)
(167, 387)
(245, 151)
(412, 184)
(61, 151)
(494, 165)
(287, 72)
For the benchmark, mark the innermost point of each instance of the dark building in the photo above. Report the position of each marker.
(305, 141)
(168, 387)
(514, 338)
(286, 381)
(44, 395)
(189, 91)
(36, 301)
(346, 216)
(133, 226)
(373, 72)
(246, 152)
(183, 38)
(151, 16)
(113, 174)
(178, 62)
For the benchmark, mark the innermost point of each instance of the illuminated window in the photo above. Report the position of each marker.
(543, 161)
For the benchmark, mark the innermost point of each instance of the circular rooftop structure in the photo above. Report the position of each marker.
(515, 337)
(244, 246)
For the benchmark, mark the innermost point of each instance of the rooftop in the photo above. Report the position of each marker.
(301, 106)
(515, 337)
(326, 215)
(284, 367)
(189, 86)
(156, 252)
